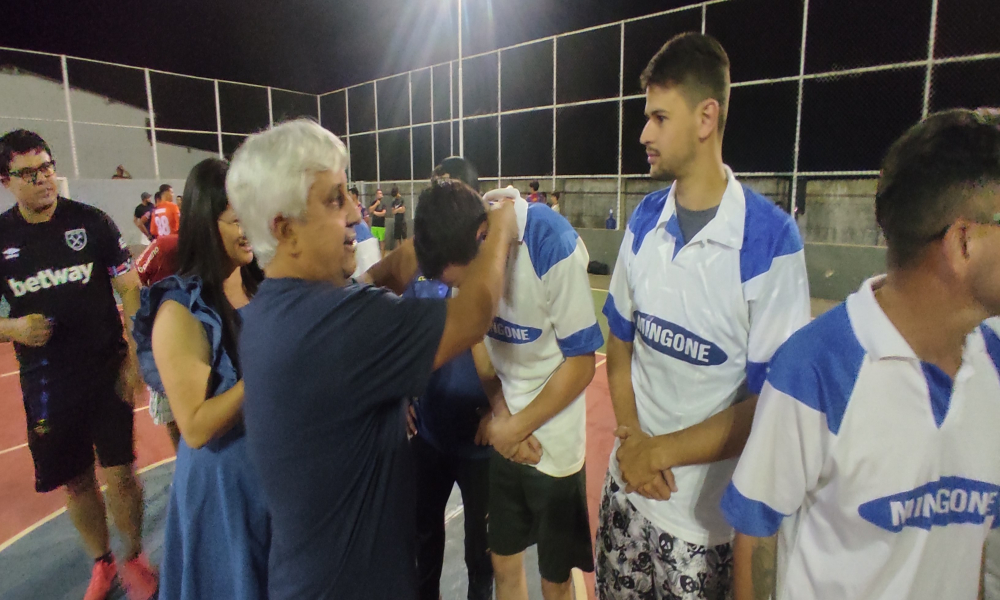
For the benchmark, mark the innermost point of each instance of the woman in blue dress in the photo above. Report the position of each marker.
(218, 529)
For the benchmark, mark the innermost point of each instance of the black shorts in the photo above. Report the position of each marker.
(529, 507)
(62, 443)
(399, 231)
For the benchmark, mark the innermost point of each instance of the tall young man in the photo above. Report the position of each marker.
(166, 216)
(874, 452)
(328, 440)
(710, 280)
(61, 262)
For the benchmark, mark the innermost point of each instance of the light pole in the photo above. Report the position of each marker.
(461, 94)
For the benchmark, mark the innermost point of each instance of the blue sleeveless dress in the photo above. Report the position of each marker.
(218, 531)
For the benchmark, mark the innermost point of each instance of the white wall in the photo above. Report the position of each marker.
(107, 133)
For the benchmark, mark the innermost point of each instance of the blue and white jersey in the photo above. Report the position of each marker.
(366, 250)
(705, 317)
(880, 472)
(545, 316)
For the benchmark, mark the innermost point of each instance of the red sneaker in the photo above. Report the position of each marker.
(102, 578)
(139, 579)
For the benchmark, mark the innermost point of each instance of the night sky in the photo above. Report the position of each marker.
(305, 45)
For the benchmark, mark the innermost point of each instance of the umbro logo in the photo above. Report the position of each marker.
(11, 253)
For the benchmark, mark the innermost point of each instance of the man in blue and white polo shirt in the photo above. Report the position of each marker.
(710, 280)
(874, 455)
(542, 346)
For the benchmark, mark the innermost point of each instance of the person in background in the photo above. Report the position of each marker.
(709, 281)
(166, 215)
(157, 262)
(143, 215)
(611, 222)
(64, 262)
(366, 216)
(179, 201)
(378, 220)
(366, 249)
(121, 173)
(399, 215)
(874, 450)
(554, 203)
(534, 196)
(218, 531)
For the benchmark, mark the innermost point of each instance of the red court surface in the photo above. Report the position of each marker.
(21, 507)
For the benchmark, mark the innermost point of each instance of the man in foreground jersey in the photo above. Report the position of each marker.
(876, 430)
(710, 280)
(542, 346)
(61, 262)
(328, 440)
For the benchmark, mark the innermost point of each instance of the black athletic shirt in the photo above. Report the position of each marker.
(377, 221)
(62, 269)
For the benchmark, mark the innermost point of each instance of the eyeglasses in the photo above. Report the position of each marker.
(31, 174)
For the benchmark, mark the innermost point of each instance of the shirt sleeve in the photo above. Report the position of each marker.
(113, 250)
(778, 302)
(398, 338)
(618, 307)
(782, 460)
(571, 306)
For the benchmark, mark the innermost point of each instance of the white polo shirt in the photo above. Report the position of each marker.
(705, 318)
(546, 315)
(881, 473)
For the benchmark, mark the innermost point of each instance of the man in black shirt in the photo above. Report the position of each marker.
(399, 213)
(143, 213)
(61, 261)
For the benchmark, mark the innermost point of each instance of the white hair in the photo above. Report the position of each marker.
(271, 174)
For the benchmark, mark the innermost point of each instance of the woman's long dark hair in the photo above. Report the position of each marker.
(200, 250)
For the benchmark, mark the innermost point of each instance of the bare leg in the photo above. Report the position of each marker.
(509, 574)
(125, 502)
(85, 505)
(557, 591)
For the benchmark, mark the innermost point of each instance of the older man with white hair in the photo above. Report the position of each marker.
(328, 440)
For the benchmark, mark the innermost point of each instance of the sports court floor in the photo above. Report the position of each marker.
(40, 555)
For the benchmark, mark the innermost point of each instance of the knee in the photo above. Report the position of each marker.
(507, 567)
(84, 484)
(122, 479)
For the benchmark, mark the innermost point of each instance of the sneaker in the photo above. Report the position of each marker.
(102, 578)
(139, 579)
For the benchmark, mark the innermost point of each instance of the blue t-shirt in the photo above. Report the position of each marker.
(449, 412)
(328, 436)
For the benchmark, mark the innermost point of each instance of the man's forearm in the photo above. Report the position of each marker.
(754, 567)
(565, 386)
(721, 436)
(620, 383)
(395, 270)
(7, 329)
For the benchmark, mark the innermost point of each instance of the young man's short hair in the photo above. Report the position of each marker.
(698, 65)
(456, 167)
(927, 177)
(394, 191)
(166, 187)
(534, 186)
(354, 190)
(445, 226)
(19, 141)
(157, 195)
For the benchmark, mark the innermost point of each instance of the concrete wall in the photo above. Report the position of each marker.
(841, 211)
(602, 244)
(837, 270)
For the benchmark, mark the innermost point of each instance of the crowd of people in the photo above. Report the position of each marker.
(326, 399)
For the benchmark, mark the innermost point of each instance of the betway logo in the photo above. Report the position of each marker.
(950, 500)
(673, 340)
(505, 331)
(51, 278)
